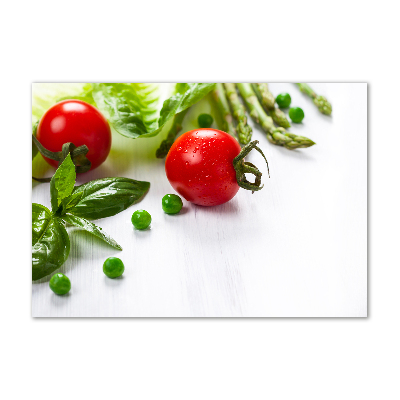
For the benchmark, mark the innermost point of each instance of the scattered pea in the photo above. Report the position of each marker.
(60, 284)
(205, 120)
(171, 204)
(283, 100)
(113, 267)
(141, 219)
(296, 114)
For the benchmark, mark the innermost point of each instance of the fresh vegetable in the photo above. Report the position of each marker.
(113, 267)
(166, 144)
(206, 167)
(321, 102)
(76, 122)
(296, 114)
(74, 205)
(141, 219)
(134, 109)
(265, 97)
(244, 131)
(171, 204)
(221, 101)
(205, 120)
(283, 100)
(277, 136)
(78, 156)
(60, 284)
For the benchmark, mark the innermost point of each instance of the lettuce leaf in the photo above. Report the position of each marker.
(133, 109)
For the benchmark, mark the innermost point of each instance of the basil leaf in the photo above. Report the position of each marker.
(133, 109)
(70, 202)
(62, 183)
(50, 242)
(106, 197)
(92, 228)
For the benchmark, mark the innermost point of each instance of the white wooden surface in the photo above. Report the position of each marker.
(298, 248)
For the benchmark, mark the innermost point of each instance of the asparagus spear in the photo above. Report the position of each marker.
(267, 99)
(244, 131)
(320, 101)
(223, 107)
(277, 136)
(166, 144)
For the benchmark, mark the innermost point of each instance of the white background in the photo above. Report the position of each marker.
(297, 248)
(218, 358)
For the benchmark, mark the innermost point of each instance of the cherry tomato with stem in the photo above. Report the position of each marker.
(207, 167)
(77, 122)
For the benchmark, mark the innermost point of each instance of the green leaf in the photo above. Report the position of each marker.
(62, 183)
(70, 202)
(50, 242)
(134, 109)
(186, 95)
(86, 95)
(131, 108)
(92, 228)
(106, 197)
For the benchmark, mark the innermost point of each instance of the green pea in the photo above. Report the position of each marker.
(141, 219)
(113, 267)
(60, 284)
(283, 100)
(171, 204)
(296, 114)
(205, 120)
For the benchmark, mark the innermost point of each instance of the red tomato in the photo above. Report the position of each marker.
(199, 166)
(77, 122)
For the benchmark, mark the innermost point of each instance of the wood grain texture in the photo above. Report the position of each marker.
(298, 248)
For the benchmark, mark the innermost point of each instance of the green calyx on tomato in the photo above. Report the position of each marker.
(207, 167)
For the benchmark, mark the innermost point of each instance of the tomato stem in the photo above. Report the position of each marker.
(78, 156)
(242, 167)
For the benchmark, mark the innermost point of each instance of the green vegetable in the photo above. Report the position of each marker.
(62, 183)
(221, 102)
(321, 102)
(50, 242)
(205, 120)
(133, 108)
(141, 219)
(96, 199)
(283, 100)
(244, 131)
(90, 227)
(296, 114)
(106, 197)
(60, 284)
(113, 267)
(166, 144)
(277, 136)
(265, 97)
(172, 204)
